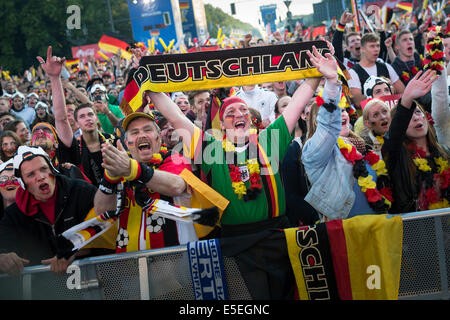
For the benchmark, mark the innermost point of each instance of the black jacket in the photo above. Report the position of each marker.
(33, 237)
(395, 156)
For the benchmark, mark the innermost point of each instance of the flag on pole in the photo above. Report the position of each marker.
(356, 20)
(111, 44)
(405, 6)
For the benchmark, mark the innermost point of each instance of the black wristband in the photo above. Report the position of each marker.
(107, 187)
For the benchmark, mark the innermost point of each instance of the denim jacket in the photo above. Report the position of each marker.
(330, 174)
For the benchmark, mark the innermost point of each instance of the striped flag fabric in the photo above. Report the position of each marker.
(405, 6)
(351, 259)
(111, 44)
(72, 62)
(184, 5)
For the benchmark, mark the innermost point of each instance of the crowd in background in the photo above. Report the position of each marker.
(341, 153)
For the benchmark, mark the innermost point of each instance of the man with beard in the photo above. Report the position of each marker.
(47, 204)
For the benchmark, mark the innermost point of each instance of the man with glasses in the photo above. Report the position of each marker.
(8, 185)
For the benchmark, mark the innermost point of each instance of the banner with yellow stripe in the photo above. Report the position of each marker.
(220, 69)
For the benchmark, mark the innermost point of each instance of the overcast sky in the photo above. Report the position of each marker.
(248, 10)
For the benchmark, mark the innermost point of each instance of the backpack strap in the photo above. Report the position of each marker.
(362, 74)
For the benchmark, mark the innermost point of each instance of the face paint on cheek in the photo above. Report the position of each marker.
(9, 183)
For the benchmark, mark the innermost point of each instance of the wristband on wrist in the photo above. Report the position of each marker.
(135, 171)
(107, 187)
(147, 173)
(340, 27)
(110, 178)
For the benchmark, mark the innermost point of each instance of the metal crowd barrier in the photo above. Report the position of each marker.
(163, 274)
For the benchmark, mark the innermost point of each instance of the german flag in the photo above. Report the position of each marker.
(184, 5)
(110, 44)
(405, 6)
(154, 33)
(319, 31)
(72, 63)
(351, 259)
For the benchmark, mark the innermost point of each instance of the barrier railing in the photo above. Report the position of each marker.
(165, 274)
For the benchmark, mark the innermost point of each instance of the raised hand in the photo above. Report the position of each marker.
(329, 45)
(418, 86)
(53, 65)
(137, 56)
(346, 17)
(326, 65)
(115, 160)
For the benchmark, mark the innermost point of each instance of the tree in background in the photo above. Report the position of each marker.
(28, 27)
(216, 17)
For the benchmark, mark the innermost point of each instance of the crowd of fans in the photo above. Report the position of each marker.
(341, 154)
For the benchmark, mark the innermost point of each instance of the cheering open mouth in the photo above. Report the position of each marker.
(143, 146)
(239, 125)
(44, 187)
(419, 126)
(11, 187)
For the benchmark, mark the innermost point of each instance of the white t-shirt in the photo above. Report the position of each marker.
(372, 71)
(260, 99)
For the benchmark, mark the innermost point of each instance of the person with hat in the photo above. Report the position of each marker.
(83, 151)
(243, 166)
(18, 109)
(374, 88)
(149, 171)
(42, 114)
(47, 203)
(32, 100)
(108, 114)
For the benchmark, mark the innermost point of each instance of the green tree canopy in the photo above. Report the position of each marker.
(28, 27)
(216, 17)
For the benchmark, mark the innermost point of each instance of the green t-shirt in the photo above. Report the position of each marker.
(104, 121)
(270, 203)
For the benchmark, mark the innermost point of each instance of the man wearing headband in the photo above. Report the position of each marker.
(46, 205)
(243, 167)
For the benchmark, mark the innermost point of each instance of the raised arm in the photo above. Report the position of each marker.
(325, 65)
(184, 127)
(440, 110)
(53, 67)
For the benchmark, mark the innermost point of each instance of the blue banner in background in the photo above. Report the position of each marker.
(269, 15)
(155, 18)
